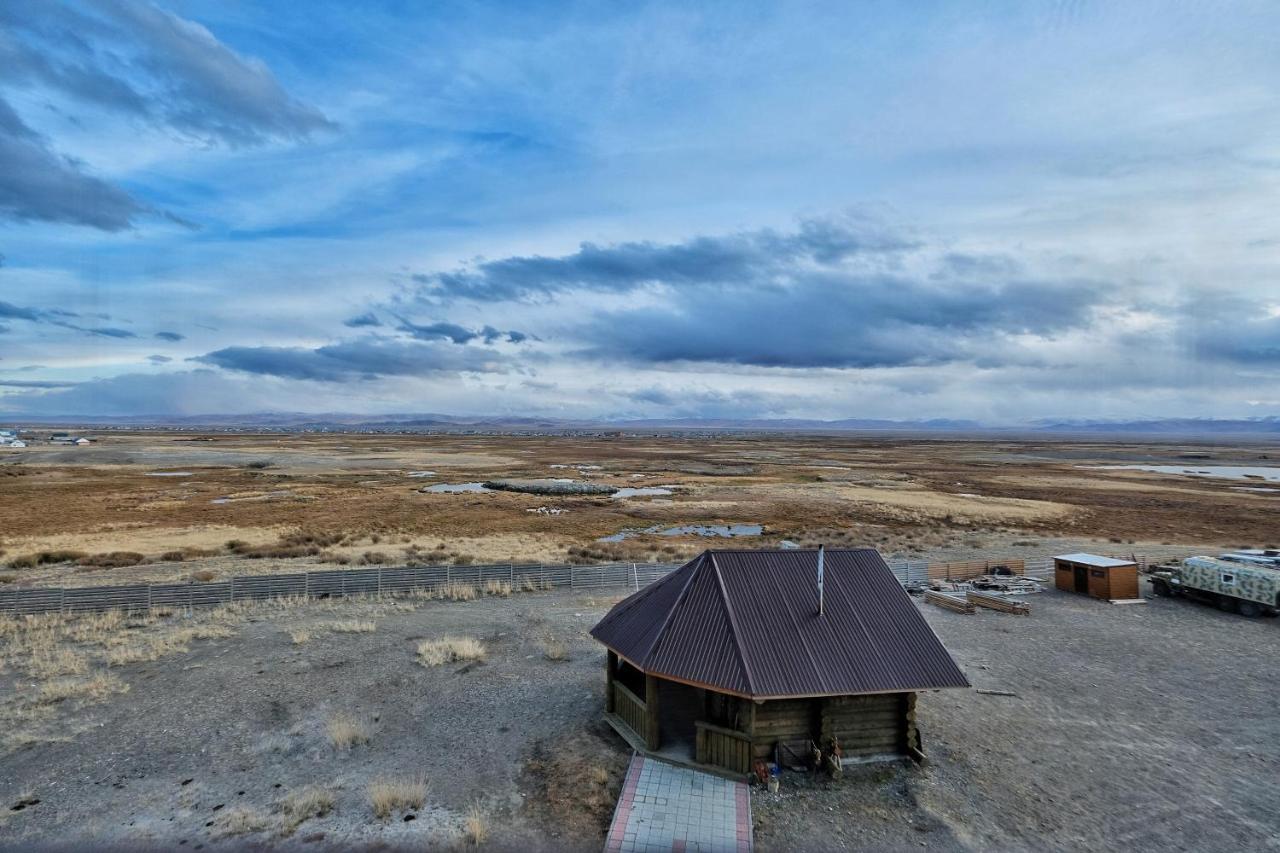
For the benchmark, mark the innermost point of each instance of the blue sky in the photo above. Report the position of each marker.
(1000, 212)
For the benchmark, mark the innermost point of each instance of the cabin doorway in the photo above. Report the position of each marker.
(679, 708)
(1082, 579)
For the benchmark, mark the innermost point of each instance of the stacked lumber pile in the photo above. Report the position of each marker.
(948, 602)
(998, 602)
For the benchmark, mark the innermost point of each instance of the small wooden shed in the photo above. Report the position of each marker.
(1101, 577)
(745, 655)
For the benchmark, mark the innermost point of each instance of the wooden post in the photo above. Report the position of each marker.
(652, 735)
(610, 665)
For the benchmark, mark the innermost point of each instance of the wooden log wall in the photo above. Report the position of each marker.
(794, 722)
(866, 725)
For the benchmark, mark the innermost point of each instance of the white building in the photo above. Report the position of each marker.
(17, 442)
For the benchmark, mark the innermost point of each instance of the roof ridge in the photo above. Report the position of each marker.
(675, 605)
(733, 625)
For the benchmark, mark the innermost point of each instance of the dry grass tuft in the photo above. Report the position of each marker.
(457, 592)
(477, 826)
(392, 795)
(532, 584)
(498, 588)
(93, 689)
(239, 820)
(303, 804)
(346, 731)
(300, 636)
(553, 649)
(449, 650)
(49, 661)
(203, 576)
(352, 626)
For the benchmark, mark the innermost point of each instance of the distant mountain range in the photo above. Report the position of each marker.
(429, 422)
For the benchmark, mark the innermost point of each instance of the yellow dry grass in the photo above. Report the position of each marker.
(95, 688)
(303, 804)
(346, 730)
(239, 820)
(476, 826)
(388, 796)
(501, 589)
(300, 636)
(352, 626)
(449, 650)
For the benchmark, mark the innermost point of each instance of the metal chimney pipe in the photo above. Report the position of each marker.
(820, 561)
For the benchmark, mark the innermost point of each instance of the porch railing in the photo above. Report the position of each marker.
(631, 709)
(721, 747)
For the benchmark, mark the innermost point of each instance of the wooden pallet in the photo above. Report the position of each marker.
(948, 602)
(998, 602)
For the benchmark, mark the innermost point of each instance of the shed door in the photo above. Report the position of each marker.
(1082, 579)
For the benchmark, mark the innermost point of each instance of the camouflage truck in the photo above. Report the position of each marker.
(1237, 587)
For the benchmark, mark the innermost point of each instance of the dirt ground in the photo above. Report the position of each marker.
(240, 504)
(1143, 727)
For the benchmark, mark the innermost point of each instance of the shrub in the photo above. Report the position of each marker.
(449, 650)
(203, 576)
(346, 731)
(499, 588)
(173, 556)
(239, 820)
(45, 558)
(111, 560)
(390, 795)
(457, 592)
(374, 558)
(300, 636)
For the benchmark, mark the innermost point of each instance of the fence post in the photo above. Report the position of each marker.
(571, 578)
(379, 581)
(635, 577)
(148, 596)
(306, 584)
(233, 587)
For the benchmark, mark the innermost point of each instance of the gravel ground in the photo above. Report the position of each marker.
(1135, 727)
(1149, 727)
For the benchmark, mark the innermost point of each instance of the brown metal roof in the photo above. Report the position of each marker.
(746, 622)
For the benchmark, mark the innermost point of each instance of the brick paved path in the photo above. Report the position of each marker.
(667, 808)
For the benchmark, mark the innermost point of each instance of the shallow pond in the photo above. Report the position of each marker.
(170, 474)
(641, 492)
(455, 488)
(1226, 472)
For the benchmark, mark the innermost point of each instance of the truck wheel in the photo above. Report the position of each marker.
(1250, 609)
(1160, 587)
(1226, 605)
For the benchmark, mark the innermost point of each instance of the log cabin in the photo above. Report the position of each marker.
(746, 655)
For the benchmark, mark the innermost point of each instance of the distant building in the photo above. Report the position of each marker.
(17, 442)
(1100, 577)
(82, 441)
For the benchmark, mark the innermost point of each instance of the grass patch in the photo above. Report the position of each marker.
(388, 796)
(92, 689)
(302, 805)
(239, 820)
(501, 589)
(449, 650)
(300, 636)
(111, 560)
(555, 650)
(45, 558)
(457, 592)
(476, 826)
(352, 626)
(346, 731)
(203, 576)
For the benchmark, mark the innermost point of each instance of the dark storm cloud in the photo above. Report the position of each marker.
(105, 331)
(36, 183)
(59, 317)
(136, 60)
(368, 319)
(169, 336)
(14, 312)
(438, 331)
(829, 320)
(1231, 330)
(353, 360)
(748, 256)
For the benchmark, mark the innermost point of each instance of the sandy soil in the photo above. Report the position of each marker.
(1142, 727)
(359, 492)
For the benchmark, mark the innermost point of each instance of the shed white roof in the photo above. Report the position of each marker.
(1094, 560)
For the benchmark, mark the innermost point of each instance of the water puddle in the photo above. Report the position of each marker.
(454, 488)
(1224, 472)
(421, 474)
(642, 491)
(724, 530)
(1254, 489)
(170, 474)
